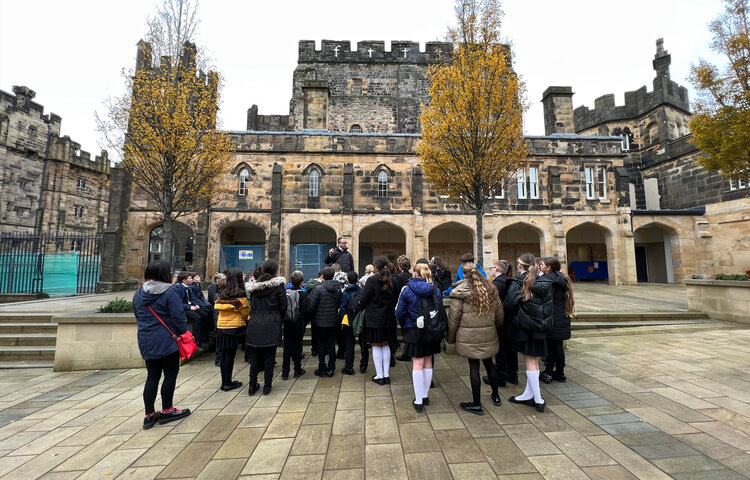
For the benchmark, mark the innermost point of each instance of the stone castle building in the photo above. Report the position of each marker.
(49, 185)
(614, 191)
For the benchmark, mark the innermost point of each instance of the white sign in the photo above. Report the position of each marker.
(246, 254)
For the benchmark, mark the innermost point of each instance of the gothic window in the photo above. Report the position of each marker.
(382, 184)
(356, 128)
(314, 188)
(244, 182)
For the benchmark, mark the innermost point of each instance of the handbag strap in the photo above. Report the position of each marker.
(162, 322)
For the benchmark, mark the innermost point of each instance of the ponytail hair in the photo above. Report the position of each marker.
(384, 274)
(423, 270)
(528, 261)
(570, 303)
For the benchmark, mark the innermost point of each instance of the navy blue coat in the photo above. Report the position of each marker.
(154, 341)
(182, 294)
(407, 309)
(196, 294)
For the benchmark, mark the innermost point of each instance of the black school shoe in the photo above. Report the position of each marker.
(393, 362)
(285, 376)
(496, 400)
(379, 381)
(151, 420)
(529, 402)
(231, 386)
(172, 415)
(418, 407)
(472, 408)
(540, 407)
(362, 368)
(253, 388)
(545, 377)
(426, 401)
(559, 378)
(347, 371)
(266, 389)
(320, 373)
(299, 373)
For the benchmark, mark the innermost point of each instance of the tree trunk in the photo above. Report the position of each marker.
(479, 215)
(166, 241)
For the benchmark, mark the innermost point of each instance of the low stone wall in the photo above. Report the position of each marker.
(720, 299)
(96, 341)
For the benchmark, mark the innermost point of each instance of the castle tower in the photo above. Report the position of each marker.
(558, 110)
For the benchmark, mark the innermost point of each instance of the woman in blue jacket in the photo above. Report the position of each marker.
(158, 348)
(407, 312)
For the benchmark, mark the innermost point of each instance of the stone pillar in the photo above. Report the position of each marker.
(274, 237)
(200, 244)
(113, 248)
(315, 93)
(558, 110)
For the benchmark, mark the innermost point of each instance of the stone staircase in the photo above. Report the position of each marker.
(27, 340)
(589, 320)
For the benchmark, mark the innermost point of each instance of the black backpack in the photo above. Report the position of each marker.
(435, 318)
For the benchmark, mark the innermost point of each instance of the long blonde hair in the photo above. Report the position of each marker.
(484, 296)
(423, 270)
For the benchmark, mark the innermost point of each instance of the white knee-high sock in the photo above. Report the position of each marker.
(533, 380)
(377, 359)
(386, 361)
(427, 381)
(417, 378)
(528, 393)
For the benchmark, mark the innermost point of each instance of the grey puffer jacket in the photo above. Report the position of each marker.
(474, 334)
(267, 309)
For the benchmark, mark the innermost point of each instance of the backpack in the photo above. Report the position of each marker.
(293, 314)
(435, 318)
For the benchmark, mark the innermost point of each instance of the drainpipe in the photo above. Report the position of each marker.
(40, 212)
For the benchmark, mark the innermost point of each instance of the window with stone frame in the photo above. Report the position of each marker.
(78, 211)
(81, 184)
(596, 182)
(382, 184)
(738, 183)
(527, 181)
(314, 184)
(356, 128)
(356, 86)
(244, 182)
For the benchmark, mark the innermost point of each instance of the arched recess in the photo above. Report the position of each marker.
(589, 252)
(380, 238)
(182, 246)
(519, 238)
(657, 254)
(449, 241)
(242, 245)
(309, 243)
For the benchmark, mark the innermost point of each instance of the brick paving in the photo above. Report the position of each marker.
(647, 402)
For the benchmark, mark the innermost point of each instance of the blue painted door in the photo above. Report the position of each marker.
(246, 257)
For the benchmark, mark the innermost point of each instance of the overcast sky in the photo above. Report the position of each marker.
(72, 52)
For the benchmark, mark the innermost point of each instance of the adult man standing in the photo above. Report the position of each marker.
(340, 254)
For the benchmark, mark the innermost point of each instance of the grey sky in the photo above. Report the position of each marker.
(71, 53)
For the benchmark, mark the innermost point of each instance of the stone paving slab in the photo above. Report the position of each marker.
(646, 403)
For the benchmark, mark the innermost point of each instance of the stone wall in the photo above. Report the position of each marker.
(720, 300)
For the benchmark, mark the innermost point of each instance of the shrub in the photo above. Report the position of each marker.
(118, 305)
(731, 276)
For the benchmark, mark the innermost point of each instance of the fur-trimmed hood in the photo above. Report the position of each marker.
(257, 287)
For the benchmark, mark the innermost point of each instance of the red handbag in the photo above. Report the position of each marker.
(185, 342)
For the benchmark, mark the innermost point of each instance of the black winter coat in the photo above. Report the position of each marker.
(442, 280)
(343, 258)
(534, 307)
(213, 293)
(561, 325)
(267, 309)
(324, 301)
(501, 283)
(380, 305)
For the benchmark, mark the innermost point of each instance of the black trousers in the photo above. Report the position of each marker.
(170, 365)
(347, 333)
(202, 320)
(292, 347)
(364, 349)
(555, 358)
(261, 359)
(327, 346)
(341, 344)
(314, 338)
(226, 364)
(476, 383)
(506, 359)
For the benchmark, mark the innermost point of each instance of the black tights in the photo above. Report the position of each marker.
(226, 364)
(170, 365)
(476, 383)
(555, 358)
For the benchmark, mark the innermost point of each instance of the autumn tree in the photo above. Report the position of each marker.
(472, 139)
(165, 125)
(721, 124)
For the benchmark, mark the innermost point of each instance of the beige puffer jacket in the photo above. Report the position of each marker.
(475, 335)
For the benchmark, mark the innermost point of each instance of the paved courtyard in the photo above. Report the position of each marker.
(647, 402)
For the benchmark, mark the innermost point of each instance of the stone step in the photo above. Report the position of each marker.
(25, 318)
(27, 353)
(28, 339)
(10, 328)
(14, 364)
(603, 317)
(643, 323)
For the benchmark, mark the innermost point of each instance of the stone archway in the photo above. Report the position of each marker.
(242, 244)
(450, 241)
(589, 252)
(309, 243)
(517, 239)
(182, 246)
(380, 238)
(657, 254)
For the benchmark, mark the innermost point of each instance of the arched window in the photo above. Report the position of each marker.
(244, 182)
(382, 184)
(356, 128)
(314, 189)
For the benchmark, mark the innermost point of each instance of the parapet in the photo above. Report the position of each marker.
(66, 150)
(373, 51)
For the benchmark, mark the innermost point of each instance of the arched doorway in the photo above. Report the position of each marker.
(309, 243)
(182, 246)
(243, 245)
(517, 239)
(588, 248)
(381, 238)
(654, 259)
(449, 241)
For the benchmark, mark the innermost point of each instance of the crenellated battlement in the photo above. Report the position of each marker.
(373, 51)
(66, 150)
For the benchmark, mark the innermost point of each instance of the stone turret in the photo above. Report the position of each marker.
(558, 110)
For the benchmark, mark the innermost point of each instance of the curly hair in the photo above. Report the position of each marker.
(484, 297)
(423, 271)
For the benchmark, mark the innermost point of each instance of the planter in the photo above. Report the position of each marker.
(720, 299)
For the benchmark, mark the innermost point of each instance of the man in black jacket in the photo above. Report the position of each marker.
(324, 302)
(506, 360)
(341, 255)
